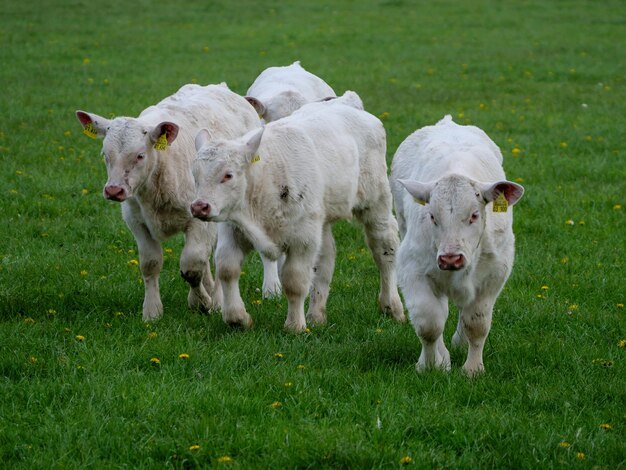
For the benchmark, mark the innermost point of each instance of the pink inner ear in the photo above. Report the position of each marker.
(83, 118)
(511, 192)
(170, 130)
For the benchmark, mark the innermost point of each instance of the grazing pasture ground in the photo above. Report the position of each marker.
(85, 383)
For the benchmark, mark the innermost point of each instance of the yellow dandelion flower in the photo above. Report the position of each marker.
(67, 133)
(544, 287)
(133, 262)
(86, 60)
(152, 334)
(482, 106)
(79, 338)
(169, 251)
(257, 302)
(84, 272)
(118, 314)
(619, 305)
(29, 321)
(276, 405)
(515, 151)
(155, 360)
(225, 459)
(617, 207)
(378, 330)
(519, 180)
(52, 311)
(307, 330)
(288, 384)
(32, 360)
(84, 191)
(539, 296)
(383, 116)
(564, 444)
(606, 426)
(580, 455)
(573, 307)
(183, 356)
(406, 460)
(621, 343)
(279, 355)
(565, 260)
(300, 367)
(205, 49)
(194, 447)
(563, 145)
(569, 222)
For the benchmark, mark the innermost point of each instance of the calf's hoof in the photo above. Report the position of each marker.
(393, 308)
(295, 327)
(316, 318)
(199, 300)
(272, 290)
(473, 370)
(152, 311)
(239, 319)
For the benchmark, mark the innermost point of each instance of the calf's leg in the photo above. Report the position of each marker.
(476, 323)
(228, 258)
(194, 264)
(271, 281)
(381, 232)
(150, 260)
(295, 277)
(322, 275)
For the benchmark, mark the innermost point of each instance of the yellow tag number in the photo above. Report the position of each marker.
(90, 131)
(255, 159)
(500, 204)
(161, 143)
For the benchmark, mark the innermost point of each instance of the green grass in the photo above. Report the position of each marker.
(521, 70)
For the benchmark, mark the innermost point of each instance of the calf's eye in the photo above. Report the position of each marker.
(141, 156)
(473, 217)
(432, 219)
(227, 177)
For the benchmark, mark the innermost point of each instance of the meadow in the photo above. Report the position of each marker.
(84, 383)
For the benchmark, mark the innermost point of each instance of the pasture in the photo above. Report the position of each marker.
(85, 383)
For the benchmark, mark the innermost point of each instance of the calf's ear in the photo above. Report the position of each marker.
(93, 125)
(257, 105)
(252, 141)
(419, 191)
(202, 138)
(169, 129)
(512, 191)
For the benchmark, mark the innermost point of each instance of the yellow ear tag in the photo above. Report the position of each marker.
(255, 159)
(419, 201)
(161, 143)
(90, 131)
(500, 204)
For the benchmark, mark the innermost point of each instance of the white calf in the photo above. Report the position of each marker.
(148, 162)
(281, 190)
(453, 205)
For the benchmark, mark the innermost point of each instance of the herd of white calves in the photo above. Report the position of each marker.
(201, 162)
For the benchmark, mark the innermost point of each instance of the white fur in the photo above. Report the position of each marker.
(443, 179)
(159, 188)
(321, 164)
(279, 91)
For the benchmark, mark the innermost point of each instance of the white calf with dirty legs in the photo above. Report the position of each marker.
(280, 189)
(454, 207)
(148, 160)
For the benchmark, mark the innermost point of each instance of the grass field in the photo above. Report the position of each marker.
(86, 384)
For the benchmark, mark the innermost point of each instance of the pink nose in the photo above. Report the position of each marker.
(451, 262)
(200, 209)
(114, 192)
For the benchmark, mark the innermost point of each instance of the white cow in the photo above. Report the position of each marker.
(279, 91)
(148, 162)
(453, 205)
(282, 188)
(276, 93)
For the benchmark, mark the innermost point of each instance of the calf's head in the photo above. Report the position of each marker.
(455, 214)
(129, 148)
(278, 106)
(220, 173)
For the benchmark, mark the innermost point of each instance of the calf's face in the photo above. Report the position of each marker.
(220, 171)
(455, 215)
(129, 149)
